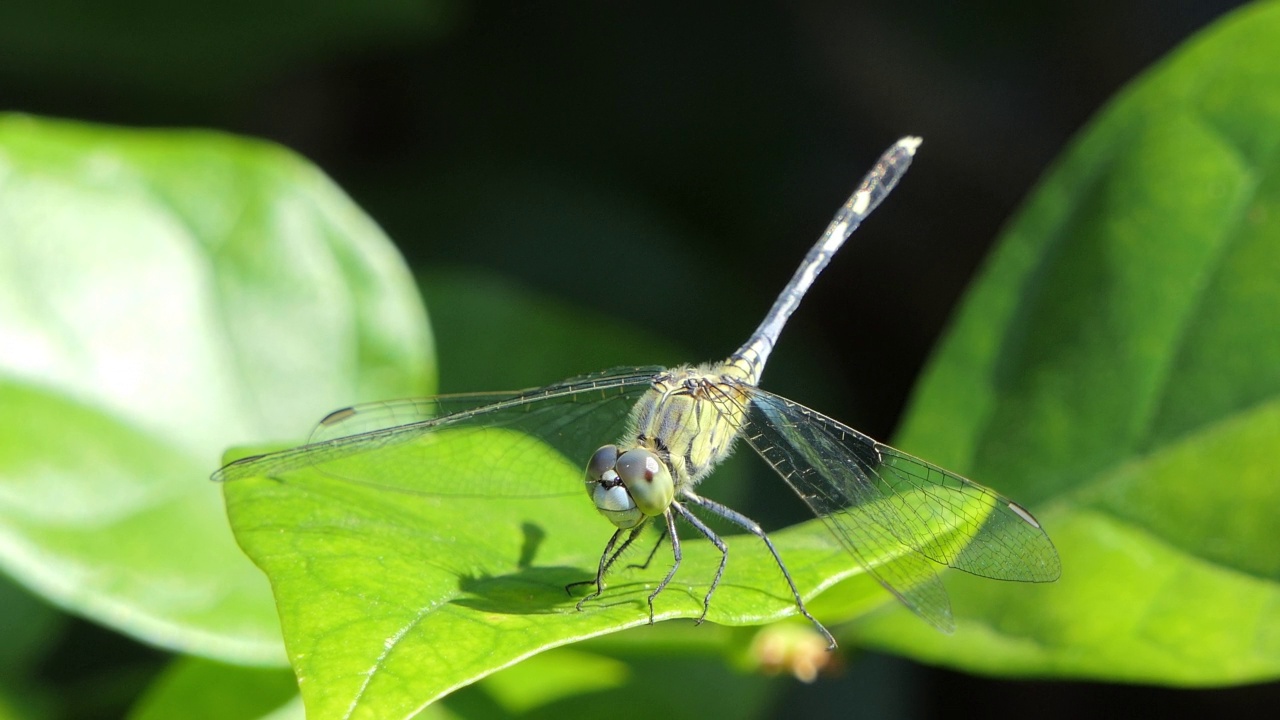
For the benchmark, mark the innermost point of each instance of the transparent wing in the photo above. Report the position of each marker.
(483, 441)
(374, 416)
(873, 496)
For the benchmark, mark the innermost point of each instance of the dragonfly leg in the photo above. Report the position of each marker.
(715, 540)
(606, 565)
(754, 528)
(645, 565)
(606, 559)
(635, 534)
(675, 550)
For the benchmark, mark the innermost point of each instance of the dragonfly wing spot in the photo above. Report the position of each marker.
(337, 416)
(1024, 514)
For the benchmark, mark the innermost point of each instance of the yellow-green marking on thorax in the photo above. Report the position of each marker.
(690, 418)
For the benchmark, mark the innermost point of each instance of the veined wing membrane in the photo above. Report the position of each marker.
(805, 463)
(374, 416)
(396, 444)
(943, 516)
(1005, 544)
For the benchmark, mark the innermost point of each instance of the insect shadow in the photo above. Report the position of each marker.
(534, 589)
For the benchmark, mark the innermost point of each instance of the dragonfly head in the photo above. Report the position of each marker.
(628, 487)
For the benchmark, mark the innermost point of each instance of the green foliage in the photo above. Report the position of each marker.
(479, 316)
(1118, 367)
(166, 295)
(390, 600)
(197, 689)
(560, 683)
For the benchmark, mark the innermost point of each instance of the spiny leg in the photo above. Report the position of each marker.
(613, 540)
(675, 550)
(635, 534)
(715, 540)
(754, 528)
(606, 560)
(645, 565)
(605, 565)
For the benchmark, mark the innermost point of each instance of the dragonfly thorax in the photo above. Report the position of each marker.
(689, 418)
(681, 428)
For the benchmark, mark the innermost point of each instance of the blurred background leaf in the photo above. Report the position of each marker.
(487, 319)
(31, 630)
(1117, 366)
(136, 348)
(197, 689)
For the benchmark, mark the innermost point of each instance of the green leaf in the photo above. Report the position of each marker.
(165, 295)
(11, 707)
(481, 319)
(635, 683)
(31, 629)
(390, 599)
(1117, 368)
(552, 676)
(197, 689)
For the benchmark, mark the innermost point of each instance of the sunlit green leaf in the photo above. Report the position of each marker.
(165, 295)
(1117, 368)
(390, 599)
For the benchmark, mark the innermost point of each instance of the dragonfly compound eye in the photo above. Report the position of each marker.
(608, 492)
(648, 481)
(600, 463)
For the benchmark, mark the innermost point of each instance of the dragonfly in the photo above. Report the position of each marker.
(666, 429)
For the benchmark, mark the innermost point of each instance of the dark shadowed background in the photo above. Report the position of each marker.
(663, 164)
